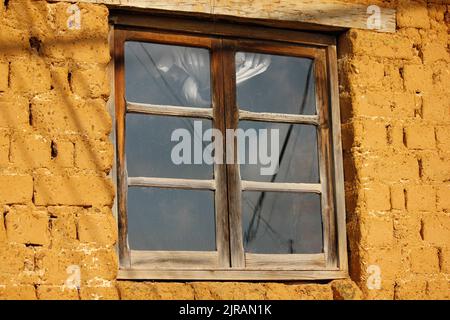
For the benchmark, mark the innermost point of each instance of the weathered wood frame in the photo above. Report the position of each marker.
(230, 262)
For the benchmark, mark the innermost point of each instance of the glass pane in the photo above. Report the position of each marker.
(273, 83)
(277, 222)
(170, 219)
(151, 153)
(295, 150)
(167, 75)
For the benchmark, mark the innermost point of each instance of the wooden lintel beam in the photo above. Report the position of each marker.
(316, 12)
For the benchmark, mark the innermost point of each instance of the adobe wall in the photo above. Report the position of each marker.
(56, 193)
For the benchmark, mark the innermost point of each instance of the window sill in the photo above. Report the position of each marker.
(230, 274)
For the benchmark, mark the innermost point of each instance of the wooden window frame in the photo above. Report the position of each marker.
(229, 262)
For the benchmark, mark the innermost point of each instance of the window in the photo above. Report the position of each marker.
(258, 191)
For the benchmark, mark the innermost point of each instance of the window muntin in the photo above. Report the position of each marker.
(229, 189)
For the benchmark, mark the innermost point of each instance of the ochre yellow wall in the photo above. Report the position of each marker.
(55, 156)
(395, 110)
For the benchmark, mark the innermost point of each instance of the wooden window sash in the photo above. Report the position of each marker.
(235, 186)
(131, 259)
(227, 183)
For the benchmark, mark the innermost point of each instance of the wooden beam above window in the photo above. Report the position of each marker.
(318, 14)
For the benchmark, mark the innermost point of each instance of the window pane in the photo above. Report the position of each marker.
(277, 222)
(167, 75)
(295, 150)
(149, 147)
(170, 219)
(273, 83)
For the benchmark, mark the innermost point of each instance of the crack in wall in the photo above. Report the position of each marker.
(420, 165)
(35, 44)
(9, 75)
(69, 80)
(30, 114)
(54, 150)
(4, 213)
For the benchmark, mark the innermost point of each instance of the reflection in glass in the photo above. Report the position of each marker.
(273, 83)
(149, 147)
(280, 223)
(297, 153)
(180, 76)
(167, 75)
(249, 65)
(170, 219)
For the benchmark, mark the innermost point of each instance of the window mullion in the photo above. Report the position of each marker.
(220, 174)
(233, 175)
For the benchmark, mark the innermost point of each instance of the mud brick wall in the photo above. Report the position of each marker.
(55, 153)
(395, 111)
(56, 192)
